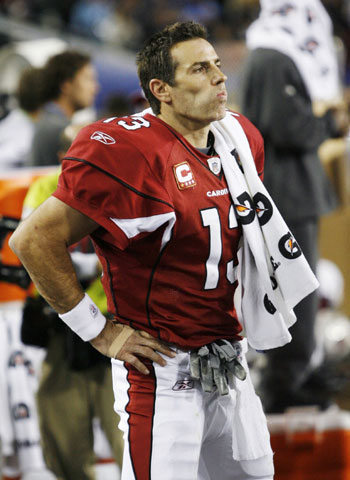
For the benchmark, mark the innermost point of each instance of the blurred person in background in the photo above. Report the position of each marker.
(18, 125)
(75, 384)
(70, 86)
(292, 65)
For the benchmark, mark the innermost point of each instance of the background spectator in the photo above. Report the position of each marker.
(70, 86)
(18, 125)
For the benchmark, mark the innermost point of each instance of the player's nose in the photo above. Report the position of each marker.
(218, 76)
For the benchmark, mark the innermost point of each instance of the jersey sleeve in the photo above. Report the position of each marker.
(112, 182)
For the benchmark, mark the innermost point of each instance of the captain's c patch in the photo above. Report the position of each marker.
(184, 176)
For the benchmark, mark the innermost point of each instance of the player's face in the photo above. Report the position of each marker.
(199, 93)
(83, 88)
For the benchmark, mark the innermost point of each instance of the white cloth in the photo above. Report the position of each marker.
(6, 427)
(302, 30)
(19, 427)
(275, 273)
(250, 436)
(16, 134)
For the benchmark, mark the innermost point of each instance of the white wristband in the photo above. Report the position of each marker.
(85, 319)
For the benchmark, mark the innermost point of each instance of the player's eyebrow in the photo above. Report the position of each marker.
(206, 63)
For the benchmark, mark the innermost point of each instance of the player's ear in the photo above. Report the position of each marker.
(160, 90)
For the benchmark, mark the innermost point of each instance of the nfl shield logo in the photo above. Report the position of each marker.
(214, 165)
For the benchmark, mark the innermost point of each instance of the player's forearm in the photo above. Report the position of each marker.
(44, 255)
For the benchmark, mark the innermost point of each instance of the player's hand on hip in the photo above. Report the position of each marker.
(126, 344)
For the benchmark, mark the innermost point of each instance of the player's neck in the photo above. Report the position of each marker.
(195, 133)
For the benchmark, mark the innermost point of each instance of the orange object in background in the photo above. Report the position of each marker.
(13, 189)
(311, 445)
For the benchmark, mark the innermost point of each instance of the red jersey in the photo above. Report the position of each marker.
(168, 235)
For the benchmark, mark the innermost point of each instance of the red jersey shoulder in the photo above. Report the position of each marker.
(143, 132)
(255, 139)
(122, 140)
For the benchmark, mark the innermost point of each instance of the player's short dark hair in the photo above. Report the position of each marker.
(155, 61)
(30, 91)
(61, 68)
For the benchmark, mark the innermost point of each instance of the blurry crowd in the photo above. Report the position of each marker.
(129, 22)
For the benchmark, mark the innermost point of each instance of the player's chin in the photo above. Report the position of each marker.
(220, 112)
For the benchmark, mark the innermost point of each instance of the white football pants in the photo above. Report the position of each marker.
(175, 431)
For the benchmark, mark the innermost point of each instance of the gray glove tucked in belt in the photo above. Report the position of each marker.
(215, 364)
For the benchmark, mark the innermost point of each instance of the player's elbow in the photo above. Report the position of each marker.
(21, 241)
(16, 242)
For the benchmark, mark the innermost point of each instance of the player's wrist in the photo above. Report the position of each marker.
(123, 332)
(85, 319)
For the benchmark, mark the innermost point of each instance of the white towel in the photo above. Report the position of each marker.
(7, 435)
(19, 428)
(275, 273)
(302, 30)
(250, 435)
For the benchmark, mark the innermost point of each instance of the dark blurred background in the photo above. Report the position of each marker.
(112, 30)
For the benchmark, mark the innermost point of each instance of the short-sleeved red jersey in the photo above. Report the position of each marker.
(168, 234)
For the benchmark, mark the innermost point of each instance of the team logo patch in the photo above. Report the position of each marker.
(289, 247)
(93, 310)
(20, 411)
(103, 138)
(263, 208)
(184, 176)
(16, 359)
(310, 45)
(245, 208)
(185, 384)
(214, 165)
